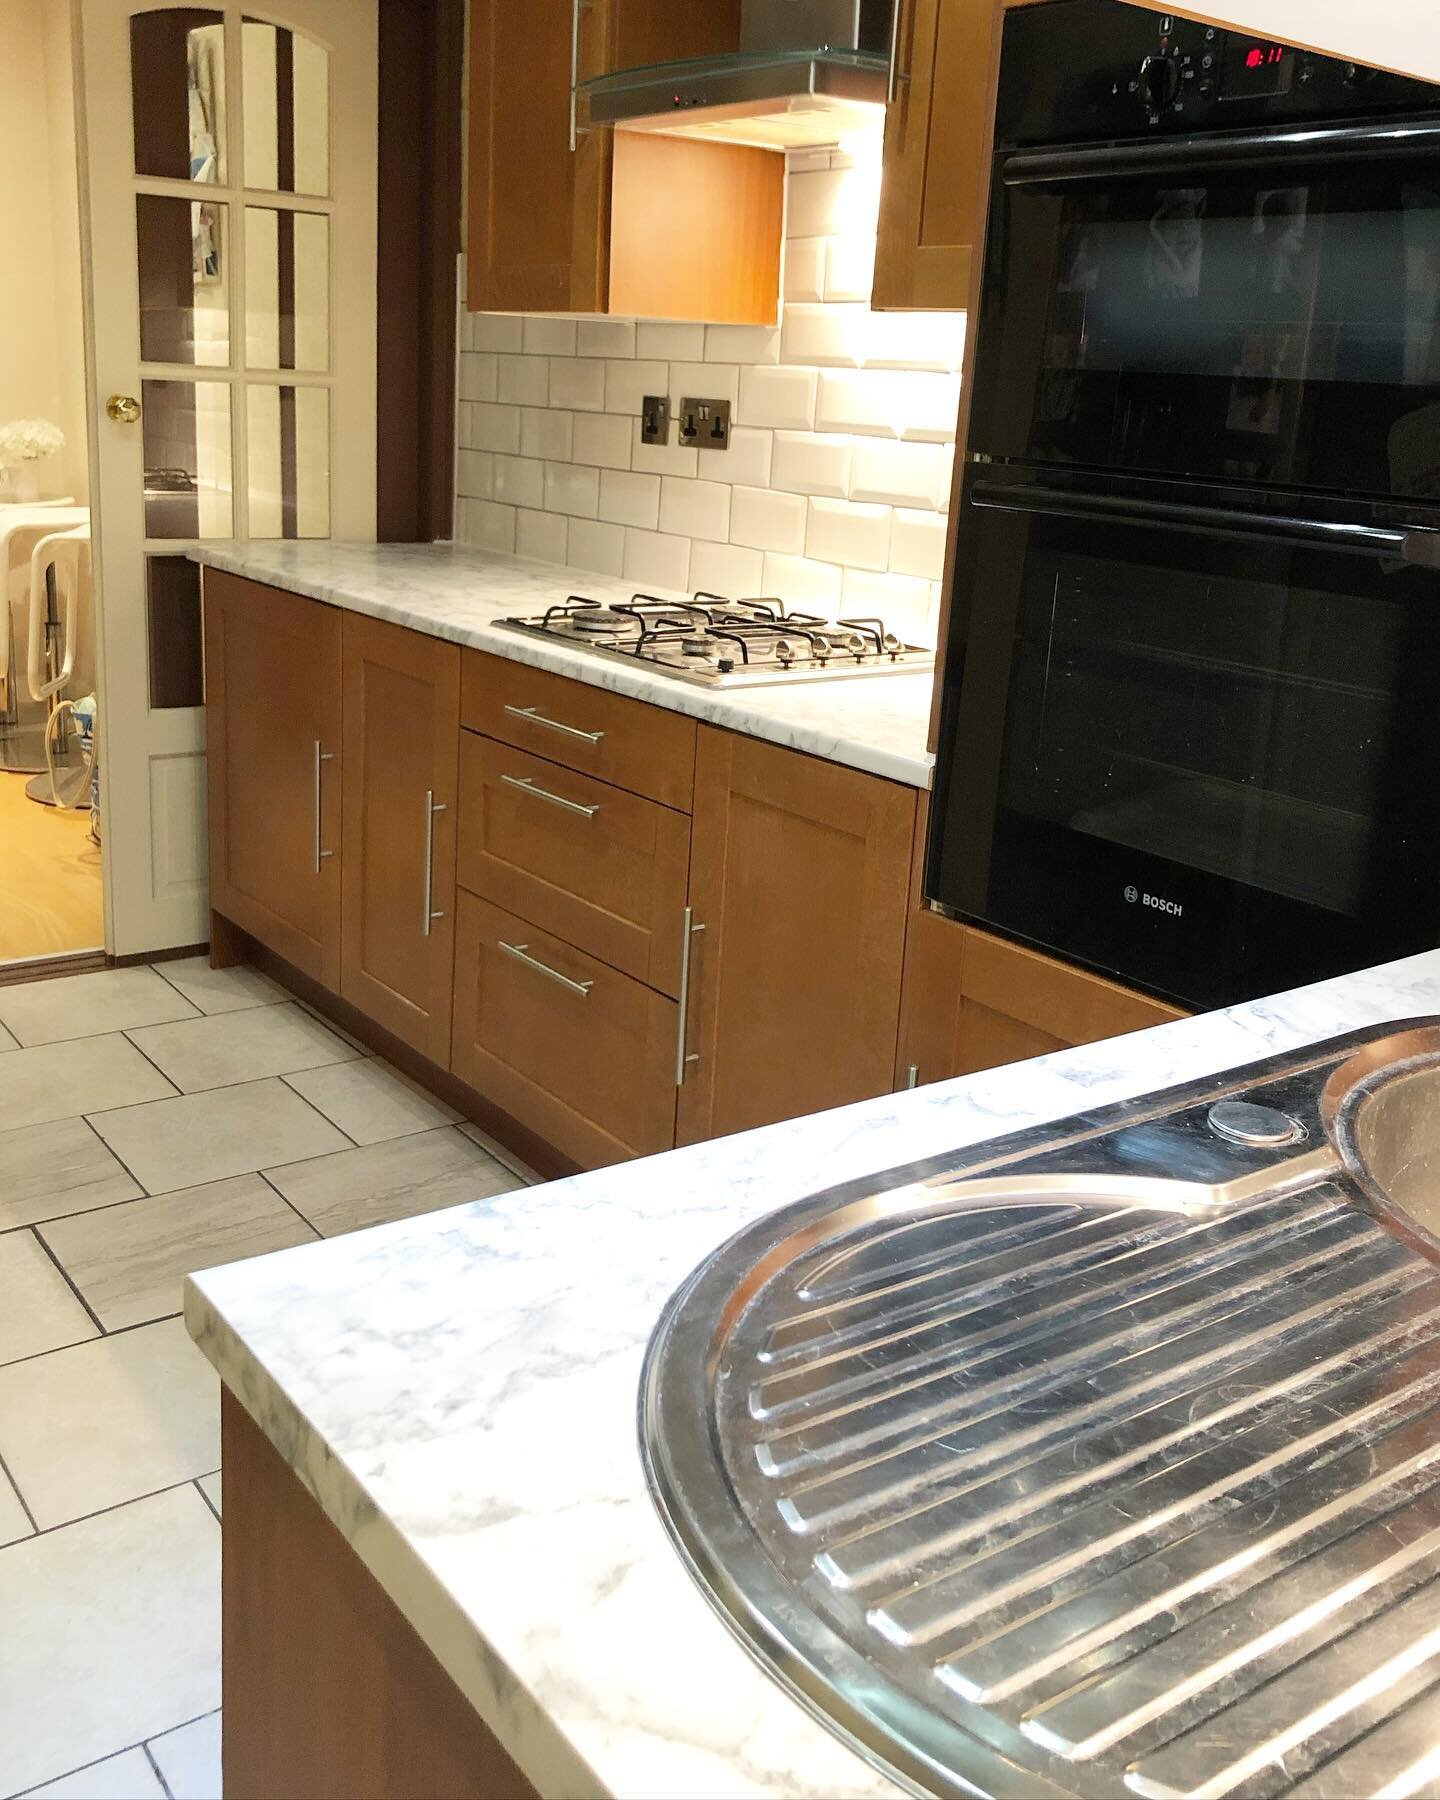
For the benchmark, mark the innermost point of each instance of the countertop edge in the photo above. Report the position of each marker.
(725, 708)
(524, 1728)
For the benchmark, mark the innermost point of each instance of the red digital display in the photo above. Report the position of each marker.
(1252, 70)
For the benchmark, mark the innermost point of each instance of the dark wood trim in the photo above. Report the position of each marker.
(421, 67)
(231, 945)
(51, 968)
(328, 1689)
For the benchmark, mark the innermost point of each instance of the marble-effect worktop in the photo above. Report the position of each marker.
(878, 723)
(458, 1392)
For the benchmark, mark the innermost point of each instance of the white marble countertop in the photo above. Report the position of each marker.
(876, 723)
(458, 1392)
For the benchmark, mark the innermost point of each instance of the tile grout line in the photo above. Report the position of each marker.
(319, 1112)
(101, 1512)
(104, 1337)
(125, 1749)
(287, 1201)
(200, 1011)
(86, 1119)
(206, 1498)
(24, 1503)
(149, 1756)
(64, 1273)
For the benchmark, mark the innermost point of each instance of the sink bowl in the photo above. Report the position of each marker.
(1102, 1458)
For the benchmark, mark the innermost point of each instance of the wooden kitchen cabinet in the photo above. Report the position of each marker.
(272, 690)
(974, 1001)
(934, 192)
(401, 733)
(798, 889)
(594, 221)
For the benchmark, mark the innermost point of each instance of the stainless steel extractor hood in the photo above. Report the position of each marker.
(805, 72)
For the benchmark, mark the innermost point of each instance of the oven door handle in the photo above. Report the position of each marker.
(1409, 543)
(1227, 149)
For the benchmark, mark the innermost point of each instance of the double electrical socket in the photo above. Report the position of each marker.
(704, 424)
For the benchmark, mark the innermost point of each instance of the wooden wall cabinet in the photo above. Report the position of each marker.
(799, 873)
(934, 193)
(595, 220)
(272, 684)
(401, 710)
(974, 1001)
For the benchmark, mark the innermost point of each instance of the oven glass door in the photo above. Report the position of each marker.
(1190, 740)
(1276, 324)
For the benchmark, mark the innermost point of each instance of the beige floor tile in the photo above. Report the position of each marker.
(220, 990)
(507, 1158)
(207, 1137)
(130, 1261)
(37, 1310)
(189, 1759)
(108, 1421)
(76, 1006)
(112, 1634)
(219, 1051)
(59, 1081)
(370, 1101)
(128, 1776)
(6, 1041)
(209, 1485)
(394, 1180)
(57, 1168)
(13, 1522)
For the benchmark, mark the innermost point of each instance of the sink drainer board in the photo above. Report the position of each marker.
(1102, 1457)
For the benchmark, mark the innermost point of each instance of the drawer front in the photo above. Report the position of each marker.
(599, 867)
(642, 748)
(582, 1055)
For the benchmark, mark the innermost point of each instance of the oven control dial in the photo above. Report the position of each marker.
(1158, 84)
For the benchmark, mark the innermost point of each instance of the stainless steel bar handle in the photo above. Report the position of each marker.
(321, 756)
(575, 6)
(430, 811)
(521, 953)
(527, 786)
(538, 718)
(892, 85)
(681, 1059)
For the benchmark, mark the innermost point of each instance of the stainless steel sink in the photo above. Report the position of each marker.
(1104, 1457)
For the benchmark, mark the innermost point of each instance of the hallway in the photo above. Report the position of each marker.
(50, 891)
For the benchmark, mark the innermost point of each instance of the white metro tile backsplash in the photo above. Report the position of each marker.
(833, 493)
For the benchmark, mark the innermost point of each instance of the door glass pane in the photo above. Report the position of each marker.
(177, 82)
(184, 311)
(172, 606)
(187, 458)
(289, 451)
(287, 289)
(287, 110)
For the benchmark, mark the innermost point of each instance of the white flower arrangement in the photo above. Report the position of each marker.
(27, 440)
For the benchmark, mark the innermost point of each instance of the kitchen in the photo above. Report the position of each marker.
(638, 878)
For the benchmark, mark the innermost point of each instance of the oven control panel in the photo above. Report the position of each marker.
(1077, 69)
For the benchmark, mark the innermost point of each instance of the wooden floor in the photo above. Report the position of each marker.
(49, 878)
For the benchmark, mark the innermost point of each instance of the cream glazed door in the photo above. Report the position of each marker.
(228, 184)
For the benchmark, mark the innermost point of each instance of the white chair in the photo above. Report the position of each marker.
(59, 564)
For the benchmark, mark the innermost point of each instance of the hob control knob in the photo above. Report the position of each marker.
(1159, 84)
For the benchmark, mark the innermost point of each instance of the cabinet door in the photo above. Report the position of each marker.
(934, 192)
(538, 192)
(973, 1001)
(272, 711)
(401, 752)
(569, 1047)
(799, 874)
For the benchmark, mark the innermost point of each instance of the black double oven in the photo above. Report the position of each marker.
(1191, 721)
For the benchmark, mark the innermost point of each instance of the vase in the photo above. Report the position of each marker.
(22, 485)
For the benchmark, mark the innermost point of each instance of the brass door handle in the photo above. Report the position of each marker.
(124, 409)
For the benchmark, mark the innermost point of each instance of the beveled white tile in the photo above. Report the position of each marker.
(394, 1180)
(746, 461)
(578, 383)
(695, 509)
(37, 1309)
(656, 559)
(122, 1609)
(487, 525)
(593, 544)
(220, 990)
(107, 1421)
(128, 1776)
(848, 533)
(59, 1081)
(370, 1101)
(199, 1138)
(189, 1759)
(766, 520)
(542, 336)
(627, 499)
(728, 569)
(917, 544)
(57, 1168)
(606, 337)
(543, 535)
(130, 1261)
(205, 1053)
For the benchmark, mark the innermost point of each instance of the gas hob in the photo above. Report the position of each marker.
(715, 642)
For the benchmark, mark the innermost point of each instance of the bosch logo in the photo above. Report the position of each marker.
(1156, 902)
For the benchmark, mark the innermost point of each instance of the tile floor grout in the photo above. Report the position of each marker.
(64, 1275)
(149, 1756)
(142, 1744)
(24, 1503)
